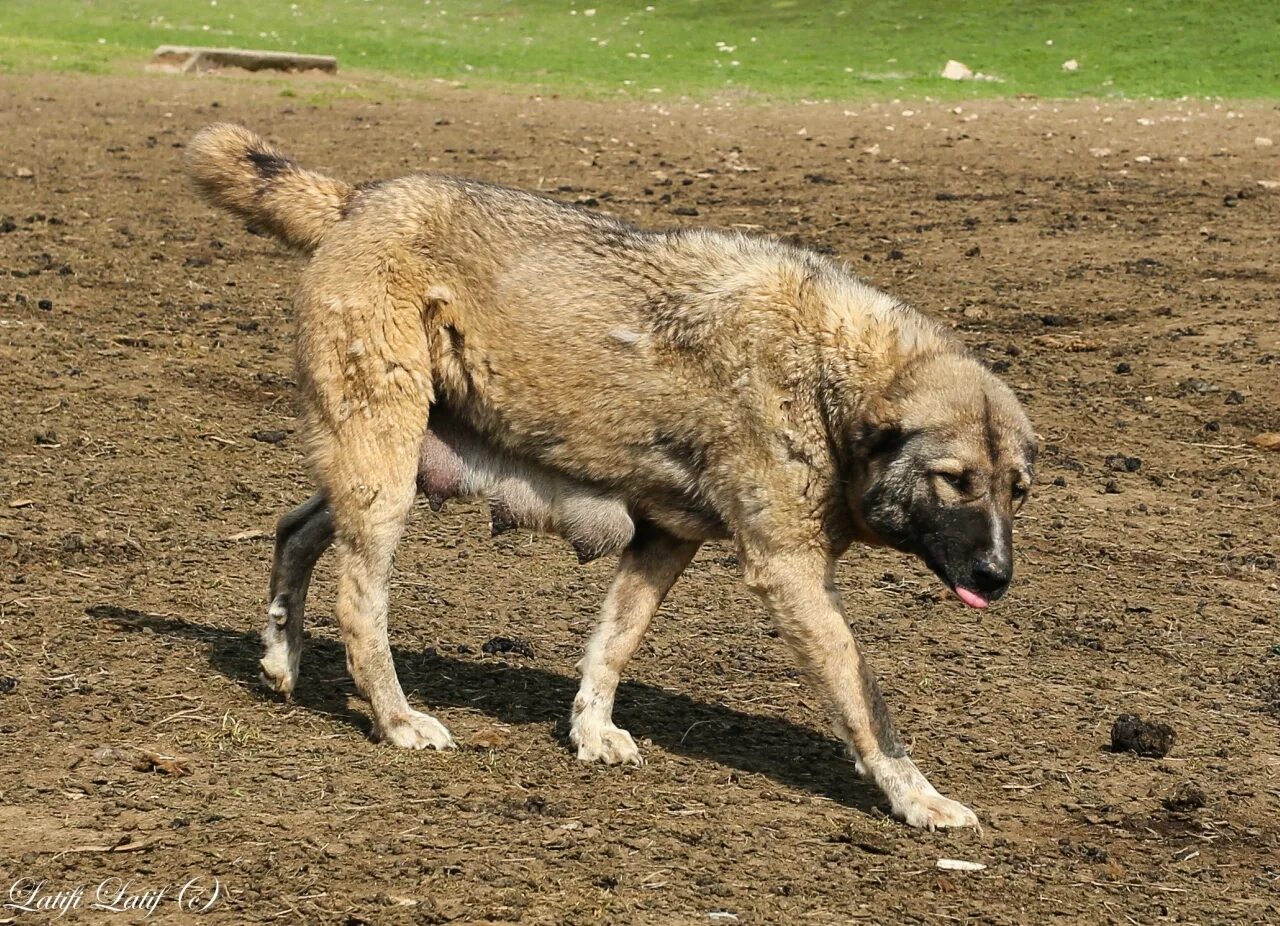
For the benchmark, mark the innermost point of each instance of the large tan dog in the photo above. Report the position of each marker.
(639, 391)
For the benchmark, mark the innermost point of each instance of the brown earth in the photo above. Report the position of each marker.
(1128, 295)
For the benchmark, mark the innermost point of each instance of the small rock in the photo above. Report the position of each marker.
(171, 766)
(955, 70)
(1263, 142)
(44, 304)
(956, 864)
(1123, 368)
(1070, 65)
(1130, 733)
(269, 437)
(7, 684)
(25, 173)
(1269, 440)
(1112, 487)
(253, 534)
(684, 210)
(487, 739)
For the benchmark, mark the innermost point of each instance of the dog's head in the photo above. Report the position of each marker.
(944, 460)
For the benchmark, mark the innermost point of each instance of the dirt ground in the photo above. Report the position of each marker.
(1116, 262)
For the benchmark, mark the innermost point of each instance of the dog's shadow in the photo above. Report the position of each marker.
(790, 754)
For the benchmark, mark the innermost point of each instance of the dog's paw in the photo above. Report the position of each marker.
(934, 812)
(605, 743)
(280, 662)
(279, 671)
(414, 730)
(281, 681)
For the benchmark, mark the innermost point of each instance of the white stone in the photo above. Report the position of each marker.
(954, 70)
(1071, 64)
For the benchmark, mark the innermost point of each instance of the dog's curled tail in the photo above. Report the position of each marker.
(239, 171)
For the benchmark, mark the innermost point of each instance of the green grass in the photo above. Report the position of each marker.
(778, 48)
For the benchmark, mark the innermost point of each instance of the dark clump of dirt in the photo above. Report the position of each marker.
(1124, 464)
(1151, 739)
(499, 645)
(1185, 798)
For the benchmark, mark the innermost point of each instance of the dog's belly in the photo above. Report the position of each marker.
(458, 462)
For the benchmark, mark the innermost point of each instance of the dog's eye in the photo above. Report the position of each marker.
(1020, 492)
(957, 481)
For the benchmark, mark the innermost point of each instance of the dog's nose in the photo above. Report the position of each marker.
(992, 578)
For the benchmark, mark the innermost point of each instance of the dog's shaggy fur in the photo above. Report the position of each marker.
(637, 391)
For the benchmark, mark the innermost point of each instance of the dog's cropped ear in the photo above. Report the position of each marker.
(884, 443)
(879, 432)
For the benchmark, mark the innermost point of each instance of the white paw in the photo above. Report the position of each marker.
(604, 743)
(933, 812)
(280, 662)
(277, 673)
(414, 730)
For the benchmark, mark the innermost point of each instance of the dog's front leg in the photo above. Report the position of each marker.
(800, 593)
(647, 569)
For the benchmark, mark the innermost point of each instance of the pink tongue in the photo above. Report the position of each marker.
(972, 599)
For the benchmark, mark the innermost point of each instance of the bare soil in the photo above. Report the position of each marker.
(1116, 262)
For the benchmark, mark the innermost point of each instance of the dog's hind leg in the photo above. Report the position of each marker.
(648, 568)
(365, 372)
(302, 536)
(800, 592)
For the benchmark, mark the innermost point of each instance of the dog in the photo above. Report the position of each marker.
(640, 392)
